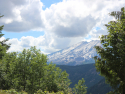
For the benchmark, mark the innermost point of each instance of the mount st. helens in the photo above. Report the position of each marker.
(80, 53)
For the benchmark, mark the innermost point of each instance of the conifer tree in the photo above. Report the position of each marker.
(111, 65)
(3, 46)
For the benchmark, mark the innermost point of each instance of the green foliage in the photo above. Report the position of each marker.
(58, 80)
(3, 46)
(111, 64)
(13, 91)
(28, 71)
(80, 88)
(6, 70)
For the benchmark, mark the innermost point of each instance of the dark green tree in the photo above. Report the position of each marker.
(7, 70)
(56, 79)
(28, 71)
(3, 47)
(80, 88)
(111, 64)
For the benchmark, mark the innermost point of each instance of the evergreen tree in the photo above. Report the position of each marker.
(111, 65)
(3, 46)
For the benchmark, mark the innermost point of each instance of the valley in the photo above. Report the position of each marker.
(94, 82)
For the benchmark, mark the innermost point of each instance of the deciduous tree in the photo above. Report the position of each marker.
(111, 65)
(29, 71)
(80, 88)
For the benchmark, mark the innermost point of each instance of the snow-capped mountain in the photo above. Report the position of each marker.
(80, 53)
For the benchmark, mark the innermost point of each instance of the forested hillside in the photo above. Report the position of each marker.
(94, 82)
(99, 88)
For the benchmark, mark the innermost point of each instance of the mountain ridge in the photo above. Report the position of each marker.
(76, 54)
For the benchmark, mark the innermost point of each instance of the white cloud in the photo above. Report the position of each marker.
(23, 15)
(2, 38)
(25, 43)
(65, 23)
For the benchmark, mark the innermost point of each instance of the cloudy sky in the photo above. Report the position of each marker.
(51, 25)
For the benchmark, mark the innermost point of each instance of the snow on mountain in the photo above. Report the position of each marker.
(80, 53)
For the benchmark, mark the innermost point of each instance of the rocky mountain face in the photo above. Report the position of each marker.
(80, 53)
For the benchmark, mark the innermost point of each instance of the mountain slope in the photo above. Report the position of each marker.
(100, 88)
(86, 71)
(80, 53)
(94, 82)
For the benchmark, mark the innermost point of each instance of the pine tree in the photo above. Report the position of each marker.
(111, 65)
(3, 47)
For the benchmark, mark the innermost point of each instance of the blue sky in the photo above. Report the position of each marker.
(52, 25)
(19, 35)
(48, 3)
